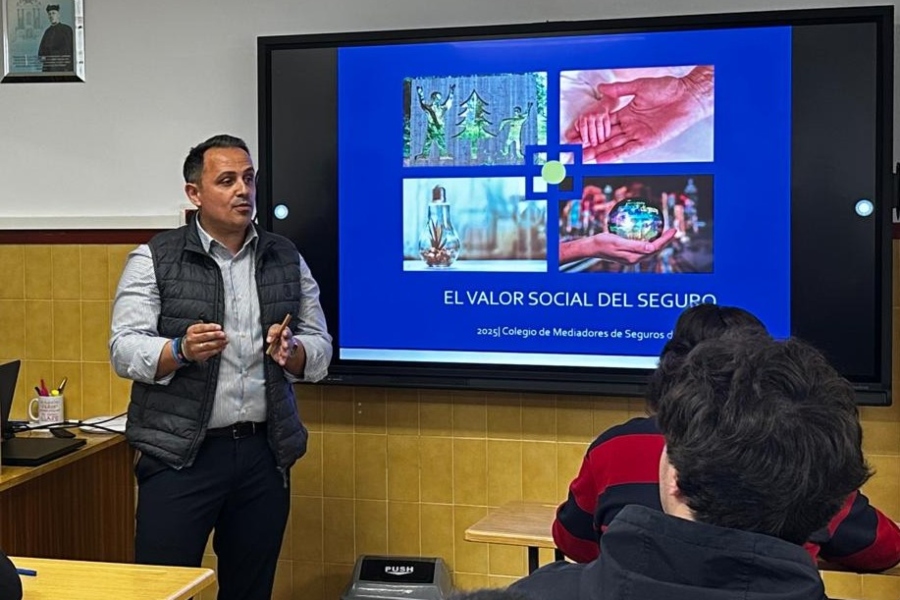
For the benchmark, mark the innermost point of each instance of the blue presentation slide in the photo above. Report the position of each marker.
(558, 201)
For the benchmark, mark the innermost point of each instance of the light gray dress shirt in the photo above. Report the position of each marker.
(135, 344)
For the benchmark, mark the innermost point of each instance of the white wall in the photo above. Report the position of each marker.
(165, 74)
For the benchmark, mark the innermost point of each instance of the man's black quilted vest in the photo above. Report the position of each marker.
(169, 422)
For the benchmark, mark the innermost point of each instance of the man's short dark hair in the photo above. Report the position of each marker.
(193, 164)
(696, 324)
(764, 436)
(52, 7)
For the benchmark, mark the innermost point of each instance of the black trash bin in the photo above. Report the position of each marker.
(387, 577)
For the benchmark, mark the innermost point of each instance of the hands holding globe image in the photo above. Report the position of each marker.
(656, 224)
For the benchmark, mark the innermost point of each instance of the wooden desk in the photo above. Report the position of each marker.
(79, 506)
(518, 524)
(78, 580)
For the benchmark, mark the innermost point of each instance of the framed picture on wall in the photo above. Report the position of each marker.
(43, 40)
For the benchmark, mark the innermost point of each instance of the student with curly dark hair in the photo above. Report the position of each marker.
(762, 447)
(620, 466)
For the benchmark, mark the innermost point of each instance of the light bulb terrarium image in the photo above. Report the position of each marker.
(472, 224)
(439, 245)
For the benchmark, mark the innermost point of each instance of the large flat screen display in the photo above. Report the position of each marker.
(531, 207)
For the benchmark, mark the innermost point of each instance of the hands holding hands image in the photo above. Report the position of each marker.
(612, 247)
(615, 127)
(594, 125)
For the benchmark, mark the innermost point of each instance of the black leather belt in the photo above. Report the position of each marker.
(239, 430)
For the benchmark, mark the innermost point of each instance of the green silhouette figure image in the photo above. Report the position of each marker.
(474, 122)
(514, 132)
(435, 130)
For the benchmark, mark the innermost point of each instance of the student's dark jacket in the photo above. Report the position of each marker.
(168, 422)
(648, 555)
(10, 582)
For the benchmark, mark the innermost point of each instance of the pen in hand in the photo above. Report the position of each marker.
(276, 341)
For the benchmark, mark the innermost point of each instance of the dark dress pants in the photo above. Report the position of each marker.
(234, 488)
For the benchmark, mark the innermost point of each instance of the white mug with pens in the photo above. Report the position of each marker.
(49, 406)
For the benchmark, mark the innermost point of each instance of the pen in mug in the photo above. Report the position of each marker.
(29, 572)
(62, 385)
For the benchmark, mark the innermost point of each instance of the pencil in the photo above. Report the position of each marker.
(277, 339)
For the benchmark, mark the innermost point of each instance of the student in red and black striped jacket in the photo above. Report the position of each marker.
(621, 467)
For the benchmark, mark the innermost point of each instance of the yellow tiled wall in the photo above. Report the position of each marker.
(388, 471)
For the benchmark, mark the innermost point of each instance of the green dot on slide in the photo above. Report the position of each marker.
(553, 171)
